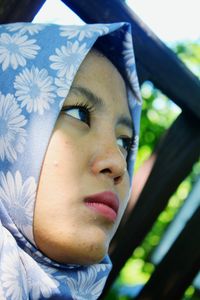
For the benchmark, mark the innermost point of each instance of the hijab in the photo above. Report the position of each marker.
(38, 63)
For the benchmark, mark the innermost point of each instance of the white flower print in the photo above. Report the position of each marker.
(12, 133)
(18, 198)
(34, 89)
(14, 49)
(64, 83)
(128, 52)
(12, 276)
(41, 283)
(83, 32)
(68, 56)
(86, 286)
(132, 76)
(23, 28)
(130, 65)
(134, 147)
(102, 267)
(2, 294)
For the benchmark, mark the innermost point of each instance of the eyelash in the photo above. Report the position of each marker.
(128, 143)
(88, 109)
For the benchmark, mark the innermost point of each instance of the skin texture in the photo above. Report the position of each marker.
(84, 159)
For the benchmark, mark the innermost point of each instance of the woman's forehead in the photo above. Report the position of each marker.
(98, 76)
(95, 61)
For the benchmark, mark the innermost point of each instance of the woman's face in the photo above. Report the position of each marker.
(84, 184)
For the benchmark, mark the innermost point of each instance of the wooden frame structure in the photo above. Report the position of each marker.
(176, 155)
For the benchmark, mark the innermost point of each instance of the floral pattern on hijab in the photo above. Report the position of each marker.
(37, 66)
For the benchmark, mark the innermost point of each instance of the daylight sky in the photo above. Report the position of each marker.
(171, 20)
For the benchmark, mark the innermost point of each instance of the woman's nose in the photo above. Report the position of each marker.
(109, 161)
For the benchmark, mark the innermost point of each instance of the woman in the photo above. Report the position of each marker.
(69, 122)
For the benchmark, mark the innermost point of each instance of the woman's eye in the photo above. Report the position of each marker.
(124, 142)
(80, 113)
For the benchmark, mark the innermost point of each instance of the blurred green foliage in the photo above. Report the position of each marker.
(158, 114)
(189, 53)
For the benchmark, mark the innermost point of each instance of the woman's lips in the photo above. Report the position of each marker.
(106, 204)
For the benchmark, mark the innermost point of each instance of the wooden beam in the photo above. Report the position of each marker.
(19, 11)
(153, 58)
(177, 153)
(178, 268)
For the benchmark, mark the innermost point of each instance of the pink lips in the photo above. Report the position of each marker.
(106, 204)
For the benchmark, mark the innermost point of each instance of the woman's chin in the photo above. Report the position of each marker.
(74, 253)
(77, 258)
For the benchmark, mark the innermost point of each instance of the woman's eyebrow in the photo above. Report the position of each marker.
(99, 104)
(91, 97)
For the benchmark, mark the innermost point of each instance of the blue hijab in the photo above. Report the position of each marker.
(37, 66)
